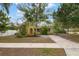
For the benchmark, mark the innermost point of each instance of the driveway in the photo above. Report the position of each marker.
(64, 43)
(71, 48)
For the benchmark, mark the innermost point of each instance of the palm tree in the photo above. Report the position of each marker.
(4, 19)
(5, 6)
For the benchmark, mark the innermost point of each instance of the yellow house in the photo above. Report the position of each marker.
(31, 29)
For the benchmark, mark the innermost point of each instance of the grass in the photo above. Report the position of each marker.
(13, 39)
(32, 52)
(72, 37)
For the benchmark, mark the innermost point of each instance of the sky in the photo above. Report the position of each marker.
(16, 14)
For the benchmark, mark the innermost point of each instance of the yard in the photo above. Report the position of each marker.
(14, 39)
(72, 37)
(34, 20)
(32, 52)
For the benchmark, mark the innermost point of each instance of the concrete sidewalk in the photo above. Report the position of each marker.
(72, 51)
(64, 43)
(60, 43)
(29, 45)
(71, 48)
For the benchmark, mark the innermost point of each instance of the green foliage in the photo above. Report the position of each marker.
(57, 28)
(22, 31)
(5, 6)
(67, 14)
(13, 27)
(33, 12)
(44, 30)
(19, 35)
(4, 21)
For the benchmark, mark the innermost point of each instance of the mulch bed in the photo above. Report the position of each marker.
(72, 37)
(13, 39)
(32, 52)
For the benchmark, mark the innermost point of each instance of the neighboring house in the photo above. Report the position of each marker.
(8, 33)
(73, 31)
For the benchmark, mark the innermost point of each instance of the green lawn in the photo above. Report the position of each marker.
(13, 39)
(32, 52)
(72, 37)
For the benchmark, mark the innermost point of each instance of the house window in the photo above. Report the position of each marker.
(49, 29)
(38, 30)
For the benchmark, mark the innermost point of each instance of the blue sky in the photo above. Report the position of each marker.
(15, 14)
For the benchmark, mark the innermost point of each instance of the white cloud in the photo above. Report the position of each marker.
(15, 21)
(50, 5)
(20, 12)
(16, 3)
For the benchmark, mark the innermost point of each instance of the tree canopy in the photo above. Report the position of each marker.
(33, 12)
(4, 21)
(5, 6)
(67, 15)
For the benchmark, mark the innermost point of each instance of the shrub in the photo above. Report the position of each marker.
(22, 31)
(58, 29)
(44, 30)
(4, 21)
(19, 35)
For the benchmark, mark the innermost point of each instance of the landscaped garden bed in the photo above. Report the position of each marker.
(32, 52)
(72, 37)
(14, 39)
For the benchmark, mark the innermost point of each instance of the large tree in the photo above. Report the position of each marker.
(5, 6)
(34, 13)
(67, 15)
(4, 21)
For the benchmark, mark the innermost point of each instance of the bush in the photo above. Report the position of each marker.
(44, 30)
(22, 31)
(4, 21)
(19, 35)
(59, 31)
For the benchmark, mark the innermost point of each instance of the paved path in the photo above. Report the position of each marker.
(64, 43)
(71, 48)
(60, 43)
(29, 45)
(72, 51)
